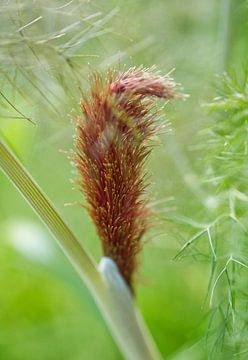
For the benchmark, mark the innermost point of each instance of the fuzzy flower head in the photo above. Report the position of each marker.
(112, 146)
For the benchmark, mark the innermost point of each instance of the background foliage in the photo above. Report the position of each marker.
(198, 175)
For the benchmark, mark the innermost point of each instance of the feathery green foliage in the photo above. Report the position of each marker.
(223, 143)
(227, 171)
(44, 54)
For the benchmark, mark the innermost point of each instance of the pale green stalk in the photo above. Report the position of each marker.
(106, 285)
(224, 32)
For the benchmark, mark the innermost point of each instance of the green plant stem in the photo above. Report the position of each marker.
(45, 210)
(232, 33)
(123, 310)
(224, 32)
(109, 292)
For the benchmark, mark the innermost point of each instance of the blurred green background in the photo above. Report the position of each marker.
(48, 49)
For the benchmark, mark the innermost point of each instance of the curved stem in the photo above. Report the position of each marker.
(113, 299)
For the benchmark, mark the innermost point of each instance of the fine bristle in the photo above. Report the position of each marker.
(111, 140)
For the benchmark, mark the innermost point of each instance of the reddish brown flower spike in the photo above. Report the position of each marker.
(118, 119)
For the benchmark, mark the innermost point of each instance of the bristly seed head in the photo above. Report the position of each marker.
(111, 140)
